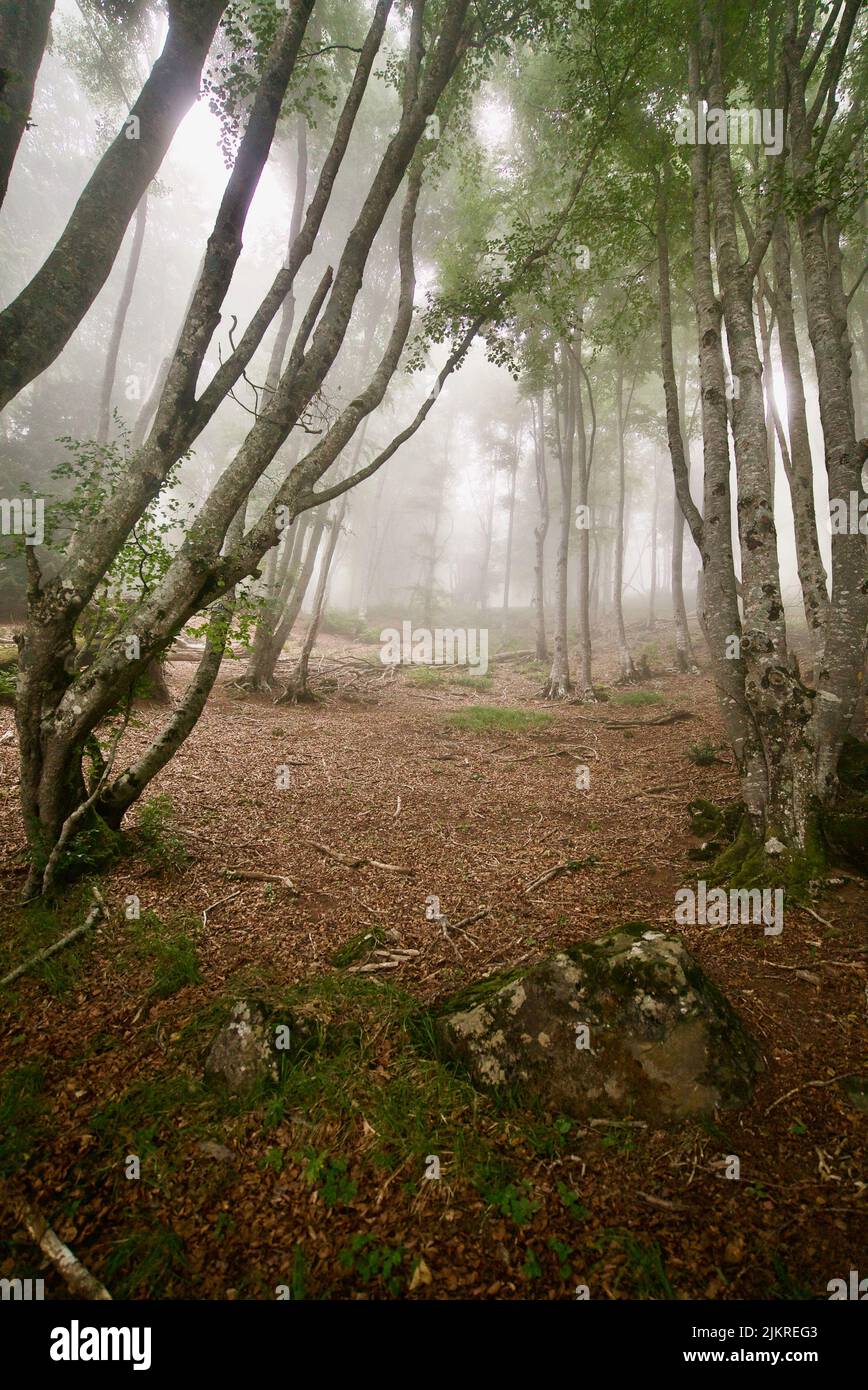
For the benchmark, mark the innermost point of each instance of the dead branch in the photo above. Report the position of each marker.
(219, 903)
(78, 1279)
(805, 1086)
(569, 866)
(255, 877)
(357, 863)
(97, 911)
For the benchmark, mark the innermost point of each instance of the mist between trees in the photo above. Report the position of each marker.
(369, 350)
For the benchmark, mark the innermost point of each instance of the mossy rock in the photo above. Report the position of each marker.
(627, 1024)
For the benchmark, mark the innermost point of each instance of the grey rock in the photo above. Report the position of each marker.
(628, 1024)
(241, 1054)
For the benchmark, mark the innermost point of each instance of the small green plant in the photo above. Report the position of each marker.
(330, 1176)
(563, 1254)
(577, 1210)
(531, 1269)
(485, 719)
(371, 1261)
(703, 754)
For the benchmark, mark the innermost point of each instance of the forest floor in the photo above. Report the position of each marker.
(318, 1183)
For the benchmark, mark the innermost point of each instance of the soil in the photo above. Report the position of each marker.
(376, 772)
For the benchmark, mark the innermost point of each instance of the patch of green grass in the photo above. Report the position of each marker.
(484, 719)
(703, 754)
(786, 1286)
(645, 1268)
(171, 948)
(439, 676)
(28, 930)
(637, 697)
(358, 947)
(577, 1210)
(21, 1111)
(158, 835)
(143, 1264)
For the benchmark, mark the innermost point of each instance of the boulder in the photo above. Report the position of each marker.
(241, 1055)
(626, 1025)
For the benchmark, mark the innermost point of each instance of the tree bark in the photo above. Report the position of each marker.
(23, 36)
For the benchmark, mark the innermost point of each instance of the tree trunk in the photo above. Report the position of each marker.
(559, 685)
(120, 319)
(628, 670)
(298, 690)
(542, 526)
(509, 533)
(37, 325)
(23, 36)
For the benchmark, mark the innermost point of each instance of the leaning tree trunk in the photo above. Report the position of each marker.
(37, 325)
(23, 36)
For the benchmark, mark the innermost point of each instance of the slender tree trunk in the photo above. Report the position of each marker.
(628, 670)
(542, 526)
(800, 475)
(652, 592)
(583, 513)
(559, 685)
(120, 319)
(509, 534)
(298, 689)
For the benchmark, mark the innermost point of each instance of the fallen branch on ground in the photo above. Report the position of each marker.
(78, 1279)
(219, 903)
(357, 863)
(256, 877)
(805, 1086)
(569, 866)
(97, 911)
(672, 718)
